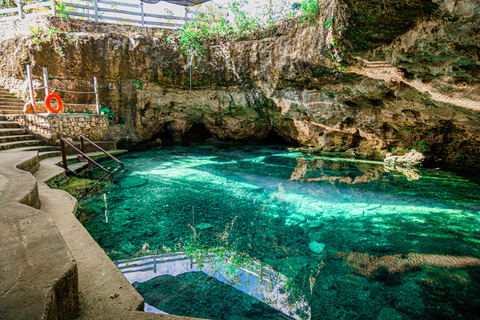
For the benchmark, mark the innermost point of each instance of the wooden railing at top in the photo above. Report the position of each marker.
(98, 12)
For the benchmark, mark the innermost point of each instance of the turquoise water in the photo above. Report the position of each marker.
(317, 238)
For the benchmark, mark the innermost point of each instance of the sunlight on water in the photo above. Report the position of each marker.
(337, 238)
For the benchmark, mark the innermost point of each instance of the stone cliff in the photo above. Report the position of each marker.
(411, 78)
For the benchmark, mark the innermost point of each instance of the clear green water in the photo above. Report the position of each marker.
(394, 247)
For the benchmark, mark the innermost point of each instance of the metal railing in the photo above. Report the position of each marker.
(150, 263)
(99, 11)
(83, 156)
(82, 148)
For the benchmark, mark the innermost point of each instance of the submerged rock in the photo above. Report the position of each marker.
(131, 182)
(204, 225)
(196, 294)
(316, 247)
(389, 314)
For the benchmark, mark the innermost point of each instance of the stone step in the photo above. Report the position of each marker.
(19, 144)
(7, 95)
(6, 111)
(7, 98)
(48, 154)
(9, 107)
(12, 103)
(35, 148)
(12, 131)
(8, 124)
(78, 166)
(18, 137)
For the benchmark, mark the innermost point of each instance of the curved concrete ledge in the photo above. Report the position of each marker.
(39, 278)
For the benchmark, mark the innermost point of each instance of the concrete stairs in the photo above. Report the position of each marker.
(9, 104)
(12, 135)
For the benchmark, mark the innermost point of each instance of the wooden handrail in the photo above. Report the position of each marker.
(64, 156)
(82, 147)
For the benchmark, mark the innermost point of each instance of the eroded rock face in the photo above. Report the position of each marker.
(413, 79)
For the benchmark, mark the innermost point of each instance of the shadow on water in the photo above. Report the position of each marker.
(353, 239)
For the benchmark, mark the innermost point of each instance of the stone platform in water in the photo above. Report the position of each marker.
(196, 294)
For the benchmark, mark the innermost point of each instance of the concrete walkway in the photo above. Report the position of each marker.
(51, 268)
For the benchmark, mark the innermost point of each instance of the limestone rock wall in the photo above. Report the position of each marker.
(411, 78)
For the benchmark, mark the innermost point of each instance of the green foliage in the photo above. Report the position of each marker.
(105, 110)
(50, 33)
(420, 145)
(36, 33)
(137, 85)
(310, 9)
(213, 24)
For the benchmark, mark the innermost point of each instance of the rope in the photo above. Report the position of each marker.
(53, 89)
(70, 91)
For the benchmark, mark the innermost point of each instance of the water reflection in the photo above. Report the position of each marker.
(252, 277)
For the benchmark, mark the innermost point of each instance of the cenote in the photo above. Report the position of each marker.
(261, 232)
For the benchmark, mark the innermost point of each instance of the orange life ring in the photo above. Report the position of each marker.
(50, 96)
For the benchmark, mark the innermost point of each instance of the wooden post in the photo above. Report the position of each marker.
(45, 82)
(64, 154)
(97, 96)
(30, 88)
(20, 8)
(186, 15)
(143, 18)
(82, 145)
(96, 10)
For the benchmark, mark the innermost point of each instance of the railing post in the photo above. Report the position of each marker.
(54, 7)
(97, 96)
(90, 168)
(45, 81)
(20, 8)
(143, 18)
(186, 15)
(64, 154)
(30, 88)
(82, 145)
(96, 10)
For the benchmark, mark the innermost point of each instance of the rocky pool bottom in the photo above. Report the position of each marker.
(259, 232)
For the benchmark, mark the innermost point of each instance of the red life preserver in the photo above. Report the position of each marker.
(50, 96)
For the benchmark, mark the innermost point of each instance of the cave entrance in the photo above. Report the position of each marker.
(274, 138)
(197, 133)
